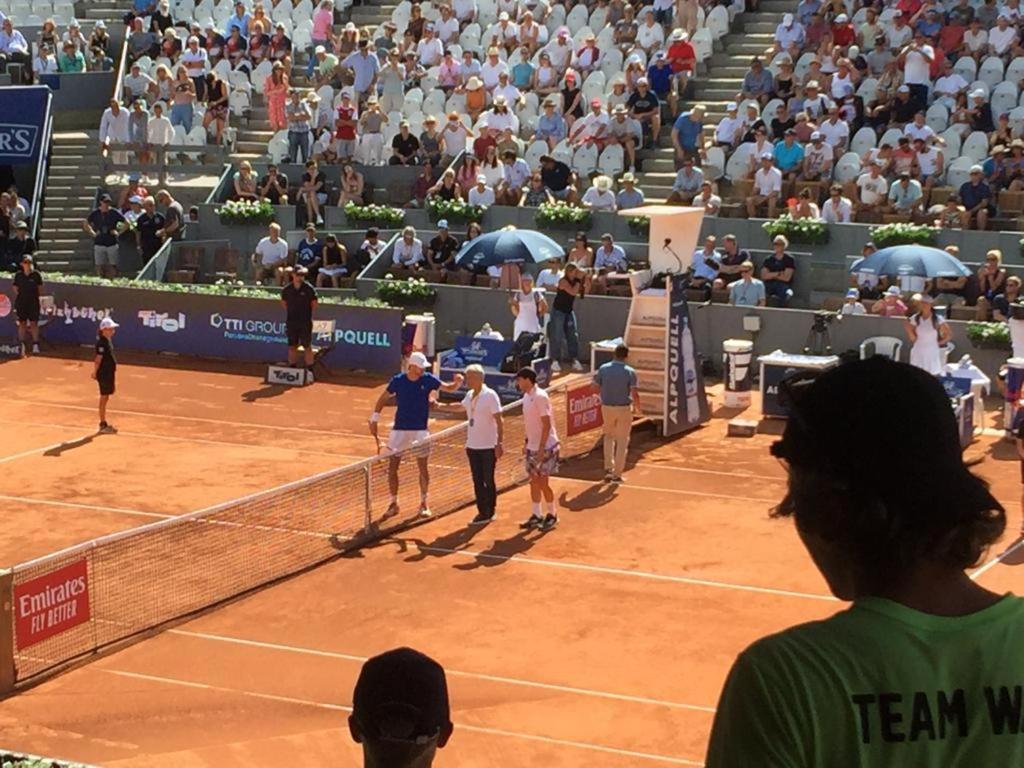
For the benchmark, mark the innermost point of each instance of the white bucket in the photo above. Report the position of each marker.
(737, 355)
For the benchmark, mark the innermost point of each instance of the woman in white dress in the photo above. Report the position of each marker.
(927, 333)
(529, 306)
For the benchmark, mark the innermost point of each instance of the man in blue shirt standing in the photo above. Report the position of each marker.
(412, 392)
(688, 134)
(620, 399)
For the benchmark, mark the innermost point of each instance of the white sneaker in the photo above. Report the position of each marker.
(35, 349)
(577, 366)
(555, 367)
(425, 511)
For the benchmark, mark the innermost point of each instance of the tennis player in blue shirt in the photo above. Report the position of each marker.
(413, 392)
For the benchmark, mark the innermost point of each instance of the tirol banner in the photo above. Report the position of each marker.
(209, 326)
(22, 123)
(686, 403)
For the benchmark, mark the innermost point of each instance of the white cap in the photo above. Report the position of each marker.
(977, 169)
(319, 49)
(481, 179)
(787, 19)
(108, 322)
(503, 16)
(419, 360)
(842, 18)
(731, 106)
(767, 156)
(815, 136)
(978, 94)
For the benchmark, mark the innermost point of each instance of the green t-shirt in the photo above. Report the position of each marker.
(879, 685)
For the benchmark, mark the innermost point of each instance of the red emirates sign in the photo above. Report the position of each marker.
(51, 604)
(584, 406)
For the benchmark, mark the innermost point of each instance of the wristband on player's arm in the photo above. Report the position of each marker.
(375, 417)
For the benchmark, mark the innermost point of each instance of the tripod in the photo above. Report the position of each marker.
(819, 340)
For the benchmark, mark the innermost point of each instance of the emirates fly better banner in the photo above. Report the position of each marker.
(51, 604)
(584, 409)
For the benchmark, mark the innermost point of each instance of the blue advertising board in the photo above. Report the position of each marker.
(212, 326)
(686, 403)
(22, 123)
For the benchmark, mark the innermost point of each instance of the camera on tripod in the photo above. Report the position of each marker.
(819, 341)
(822, 320)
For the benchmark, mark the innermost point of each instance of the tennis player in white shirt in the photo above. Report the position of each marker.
(540, 451)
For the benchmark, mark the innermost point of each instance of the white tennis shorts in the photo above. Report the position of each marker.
(400, 440)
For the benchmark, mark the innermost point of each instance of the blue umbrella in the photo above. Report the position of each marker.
(509, 246)
(911, 260)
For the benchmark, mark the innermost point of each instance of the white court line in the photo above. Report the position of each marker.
(276, 427)
(607, 570)
(201, 440)
(458, 726)
(733, 475)
(656, 489)
(998, 559)
(76, 505)
(45, 448)
(451, 672)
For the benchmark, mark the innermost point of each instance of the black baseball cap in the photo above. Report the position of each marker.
(105, 198)
(401, 695)
(527, 373)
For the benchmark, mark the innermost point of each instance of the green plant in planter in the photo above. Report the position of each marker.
(990, 335)
(809, 231)
(1021, 244)
(901, 233)
(639, 225)
(454, 211)
(383, 216)
(233, 289)
(412, 291)
(562, 216)
(246, 212)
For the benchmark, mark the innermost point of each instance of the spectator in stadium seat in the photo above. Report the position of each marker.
(1002, 38)
(803, 207)
(837, 209)
(400, 712)
(975, 40)
(683, 59)
(767, 189)
(558, 179)
(644, 107)
(240, 20)
(976, 197)
(777, 272)
(650, 36)
(442, 248)
(217, 95)
(789, 37)
(978, 113)
(312, 195)
(408, 252)
(748, 291)
(905, 196)
(758, 83)
(789, 156)
(140, 10)
(835, 131)
(600, 196)
(535, 193)
(705, 264)
(70, 59)
(688, 134)
(481, 193)
(843, 33)
(733, 258)
(551, 126)
(44, 62)
(136, 85)
(100, 47)
(280, 46)
(625, 30)
(730, 128)
(629, 196)
(991, 282)
(271, 256)
(707, 199)
(687, 184)
(274, 186)
(245, 182)
(1010, 295)
(818, 158)
(891, 304)
(906, 578)
(141, 42)
(18, 246)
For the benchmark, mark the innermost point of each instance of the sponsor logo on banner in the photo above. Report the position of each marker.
(291, 377)
(10, 350)
(69, 314)
(584, 409)
(51, 604)
(17, 140)
(248, 329)
(165, 321)
(358, 338)
(5, 305)
(685, 400)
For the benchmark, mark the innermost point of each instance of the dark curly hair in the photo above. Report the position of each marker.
(893, 505)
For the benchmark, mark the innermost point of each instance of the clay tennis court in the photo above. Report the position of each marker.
(603, 643)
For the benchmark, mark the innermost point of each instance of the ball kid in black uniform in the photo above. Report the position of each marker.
(27, 283)
(299, 300)
(105, 367)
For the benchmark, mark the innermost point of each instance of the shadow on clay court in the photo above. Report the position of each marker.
(591, 497)
(1003, 450)
(70, 445)
(502, 551)
(1016, 552)
(443, 545)
(264, 392)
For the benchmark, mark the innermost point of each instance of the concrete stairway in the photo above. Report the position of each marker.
(111, 11)
(75, 174)
(751, 35)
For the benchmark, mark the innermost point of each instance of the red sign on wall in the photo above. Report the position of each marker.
(51, 604)
(584, 407)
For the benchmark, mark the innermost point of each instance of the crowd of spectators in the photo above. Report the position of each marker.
(51, 51)
(15, 220)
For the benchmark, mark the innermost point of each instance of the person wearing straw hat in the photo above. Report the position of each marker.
(299, 299)
(104, 369)
(600, 196)
(27, 283)
(413, 394)
(921, 667)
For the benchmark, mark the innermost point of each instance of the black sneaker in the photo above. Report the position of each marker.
(107, 429)
(549, 522)
(616, 479)
(534, 521)
(481, 520)
(390, 512)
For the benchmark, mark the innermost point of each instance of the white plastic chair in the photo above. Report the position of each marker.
(223, 69)
(239, 102)
(867, 89)
(891, 137)
(703, 44)
(611, 63)
(848, 167)
(736, 167)
(959, 172)
(1017, 120)
(886, 346)
(239, 81)
(260, 74)
(863, 140)
(577, 19)
(1004, 97)
(598, 18)
(966, 67)
(937, 117)
(803, 64)
(714, 166)
(1015, 72)
(584, 160)
(991, 71)
(976, 147)
(594, 87)
(953, 138)
(563, 152)
(534, 153)
(612, 160)
(768, 113)
(718, 22)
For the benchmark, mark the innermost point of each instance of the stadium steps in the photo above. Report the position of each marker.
(75, 173)
(752, 34)
(111, 11)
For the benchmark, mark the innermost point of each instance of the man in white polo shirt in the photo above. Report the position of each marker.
(540, 451)
(484, 433)
(271, 255)
(767, 187)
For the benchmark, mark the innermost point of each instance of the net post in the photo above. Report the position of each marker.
(7, 670)
(367, 497)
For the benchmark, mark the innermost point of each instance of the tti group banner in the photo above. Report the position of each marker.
(22, 122)
(211, 326)
(686, 403)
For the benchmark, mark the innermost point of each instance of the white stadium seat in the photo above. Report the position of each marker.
(863, 140)
(848, 167)
(976, 147)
